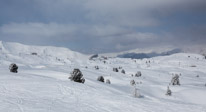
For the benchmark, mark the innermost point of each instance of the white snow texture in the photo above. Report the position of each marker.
(42, 84)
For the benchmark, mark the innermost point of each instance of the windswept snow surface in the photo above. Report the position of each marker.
(42, 85)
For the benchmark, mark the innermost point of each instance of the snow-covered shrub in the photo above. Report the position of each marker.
(34, 53)
(169, 92)
(96, 67)
(100, 78)
(140, 82)
(108, 81)
(123, 71)
(175, 80)
(138, 74)
(193, 66)
(77, 76)
(136, 93)
(132, 82)
(115, 70)
(13, 68)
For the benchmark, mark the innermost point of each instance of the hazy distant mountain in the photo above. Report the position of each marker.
(148, 55)
(141, 53)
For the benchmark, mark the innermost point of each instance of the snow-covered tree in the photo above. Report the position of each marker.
(138, 74)
(96, 67)
(123, 71)
(13, 68)
(136, 93)
(175, 80)
(115, 70)
(132, 82)
(100, 78)
(34, 53)
(169, 92)
(77, 76)
(108, 81)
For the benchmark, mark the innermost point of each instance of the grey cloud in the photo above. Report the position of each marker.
(103, 25)
(101, 37)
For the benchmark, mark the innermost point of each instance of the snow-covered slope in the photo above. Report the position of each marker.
(42, 84)
(19, 53)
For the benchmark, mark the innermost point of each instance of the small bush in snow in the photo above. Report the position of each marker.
(34, 53)
(96, 67)
(77, 76)
(108, 81)
(115, 70)
(138, 74)
(132, 82)
(100, 78)
(139, 82)
(193, 66)
(123, 71)
(13, 68)
(136, 93)
(169, 92)
(175, 80)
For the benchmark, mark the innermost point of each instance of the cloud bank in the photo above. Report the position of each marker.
(97, 26)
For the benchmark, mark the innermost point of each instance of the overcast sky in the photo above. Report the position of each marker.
(99, 26)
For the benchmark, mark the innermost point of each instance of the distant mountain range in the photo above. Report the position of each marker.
(148, 55)
(157, 51)
(17, 49)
